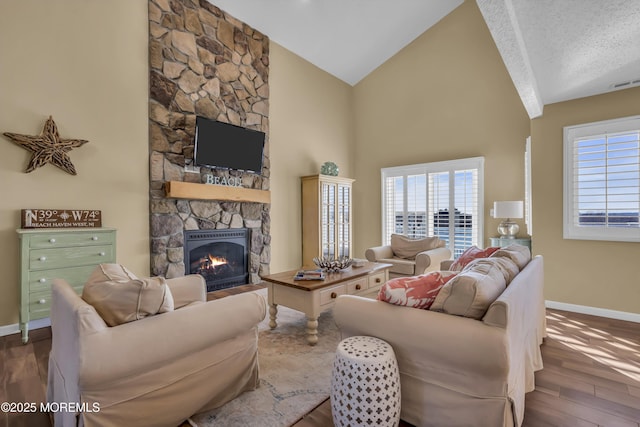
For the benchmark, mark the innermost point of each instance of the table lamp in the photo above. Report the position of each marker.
(508, 210)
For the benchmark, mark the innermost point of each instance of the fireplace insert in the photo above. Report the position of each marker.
(220, 256)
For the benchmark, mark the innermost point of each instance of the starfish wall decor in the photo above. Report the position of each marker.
(47, 147)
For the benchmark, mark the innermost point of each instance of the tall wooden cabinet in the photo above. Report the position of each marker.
(326, 217)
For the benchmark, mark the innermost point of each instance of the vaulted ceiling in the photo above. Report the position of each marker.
(554, 50)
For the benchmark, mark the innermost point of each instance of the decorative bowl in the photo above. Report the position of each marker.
(332, 264)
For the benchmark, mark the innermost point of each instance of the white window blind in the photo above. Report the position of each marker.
(441, 199)
(602, 180)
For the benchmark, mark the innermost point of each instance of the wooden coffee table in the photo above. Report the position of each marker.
(312, 297)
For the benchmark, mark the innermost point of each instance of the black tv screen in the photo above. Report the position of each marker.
(223, 145)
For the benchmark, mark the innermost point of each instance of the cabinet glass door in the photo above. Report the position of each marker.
(344, 202)
(328, 220)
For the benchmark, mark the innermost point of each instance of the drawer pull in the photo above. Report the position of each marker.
(378, 280)
(52, 240)
(334, 295)
(358, 287)
(102, 253)
(94, 238)
(42, 301)
(43, 258)
(42, 280)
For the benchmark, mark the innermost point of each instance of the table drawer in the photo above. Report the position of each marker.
(377, 279)
(327, 296)
(58, 240)
(44, 259)
(357, 286)
(76, 276)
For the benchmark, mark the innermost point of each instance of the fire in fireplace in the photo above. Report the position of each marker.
(220, 256)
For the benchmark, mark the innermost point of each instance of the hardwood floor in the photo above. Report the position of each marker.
(591, 374)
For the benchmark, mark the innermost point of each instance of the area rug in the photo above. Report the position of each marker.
(294, 376)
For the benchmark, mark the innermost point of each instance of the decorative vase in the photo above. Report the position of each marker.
(329, 168)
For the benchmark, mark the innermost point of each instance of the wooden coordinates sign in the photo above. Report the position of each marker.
(60, 218)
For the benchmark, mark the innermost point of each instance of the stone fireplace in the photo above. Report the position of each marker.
(203, 62)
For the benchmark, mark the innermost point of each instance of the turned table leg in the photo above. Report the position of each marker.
(312, 330)
(273, 313)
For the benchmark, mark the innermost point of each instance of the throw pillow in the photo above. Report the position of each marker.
(506, 266)
(472, 291)
(469, 255)
(404, 247)
(519, 254)
(120, 297)
(416, 291)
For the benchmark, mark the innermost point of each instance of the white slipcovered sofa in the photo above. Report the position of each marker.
(410, 257)
(456, 370)
(156, 371)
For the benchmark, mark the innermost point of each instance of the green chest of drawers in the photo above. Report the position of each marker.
(58, 254)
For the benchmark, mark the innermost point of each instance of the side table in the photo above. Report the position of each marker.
(502, 242)
(365, 383)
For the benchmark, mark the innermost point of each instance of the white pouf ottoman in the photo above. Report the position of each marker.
(365, 383)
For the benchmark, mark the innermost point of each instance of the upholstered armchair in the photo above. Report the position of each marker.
(156, 371)
(410, 257)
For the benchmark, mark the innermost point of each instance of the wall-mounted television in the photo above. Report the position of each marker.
(223, 145)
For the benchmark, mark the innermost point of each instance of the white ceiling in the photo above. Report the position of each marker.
(346, 38)
(554, 50)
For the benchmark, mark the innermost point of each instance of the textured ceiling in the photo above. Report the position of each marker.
(554, 50)
(579, 47)
(557, 50)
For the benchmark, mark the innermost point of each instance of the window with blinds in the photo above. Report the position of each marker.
(602, 180)
(441, 199)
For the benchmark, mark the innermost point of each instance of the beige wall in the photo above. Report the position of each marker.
(84, 63)
(590, 273)
(445, 96)
(311, 122)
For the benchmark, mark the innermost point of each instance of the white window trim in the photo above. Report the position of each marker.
(434, 167)
(528, 198)
(571, 230)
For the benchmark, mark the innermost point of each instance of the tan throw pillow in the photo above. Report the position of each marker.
(519, 254)
(505, 265)
(404, 247)
(472, 291)
(120, 297)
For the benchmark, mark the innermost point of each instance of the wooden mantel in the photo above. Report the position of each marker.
(195, 191)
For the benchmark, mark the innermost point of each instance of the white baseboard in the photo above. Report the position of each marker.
(594, 311)
(15, 328)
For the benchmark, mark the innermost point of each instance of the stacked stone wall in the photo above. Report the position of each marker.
(203, 62)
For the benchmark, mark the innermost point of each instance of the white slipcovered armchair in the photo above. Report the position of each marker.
(156, 371)
(410, 257)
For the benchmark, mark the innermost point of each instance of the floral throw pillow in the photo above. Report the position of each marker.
(469, 255)
(415, 291)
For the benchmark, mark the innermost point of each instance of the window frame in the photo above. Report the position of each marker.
(571, 230)
(436, 167)
(528, 198)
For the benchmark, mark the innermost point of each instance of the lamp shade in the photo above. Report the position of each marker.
(508, 209)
